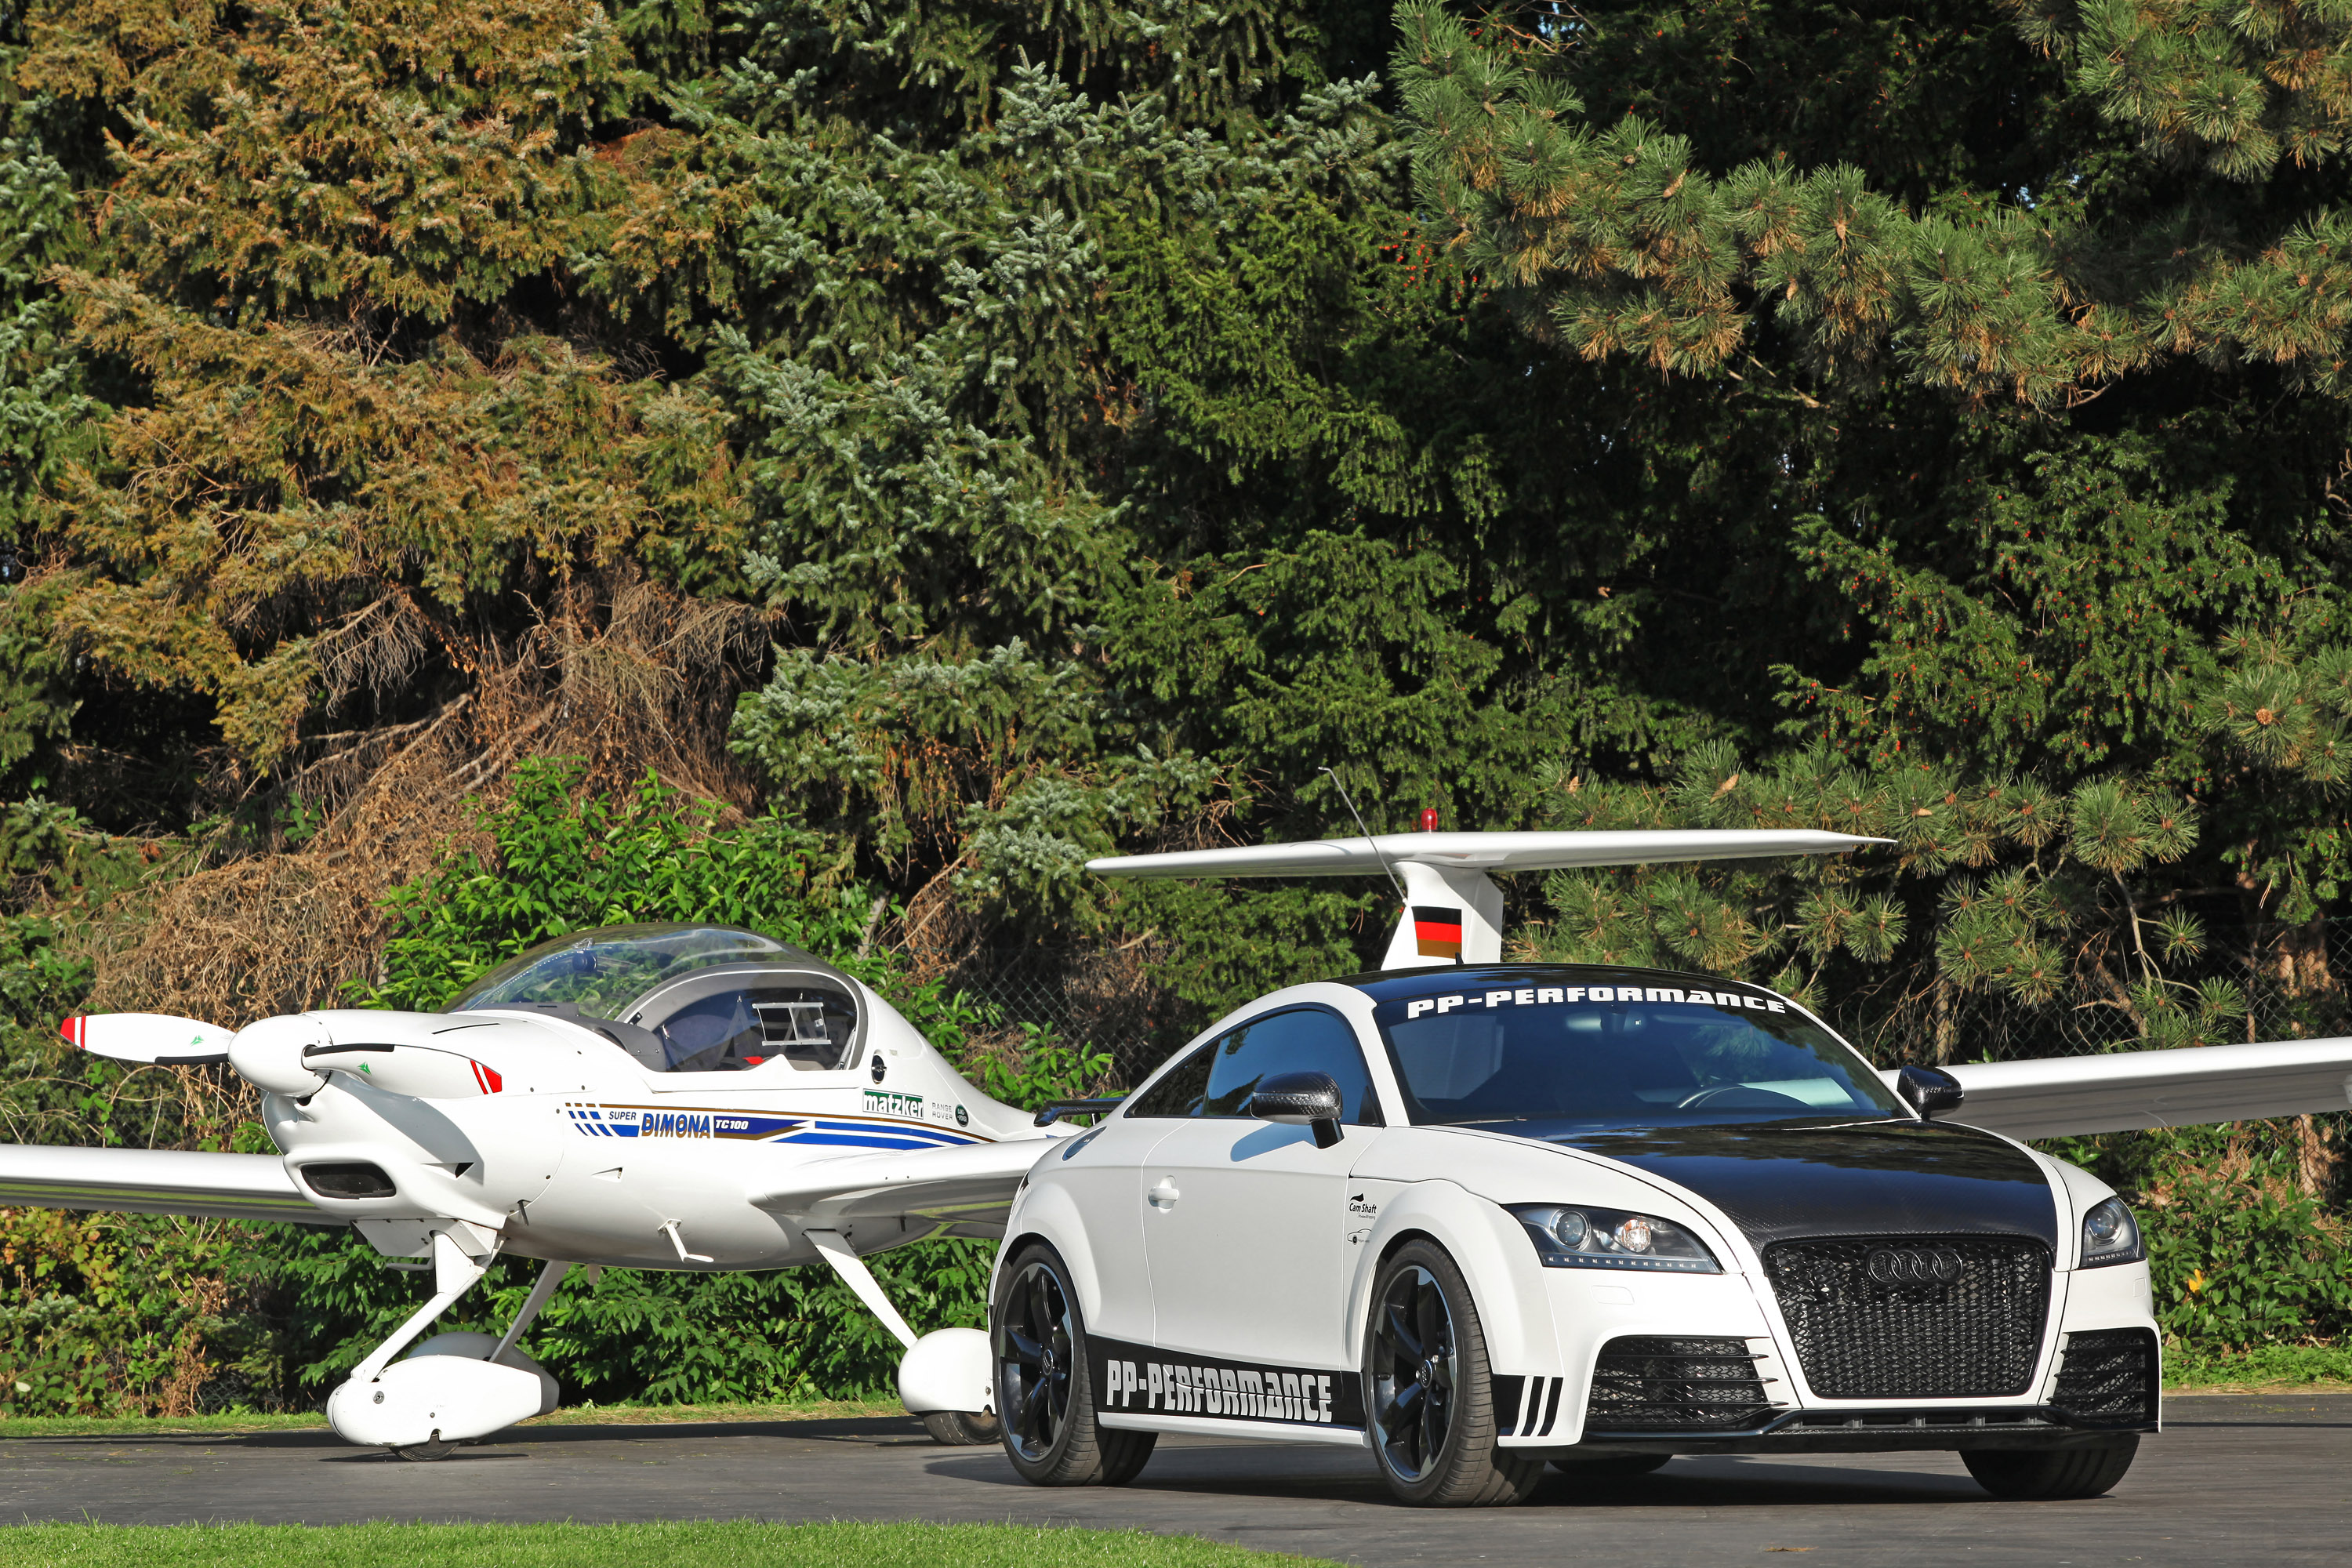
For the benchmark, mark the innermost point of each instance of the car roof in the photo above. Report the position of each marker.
(1386, 984)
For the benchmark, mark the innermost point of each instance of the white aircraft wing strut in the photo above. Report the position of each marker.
(153, 1181)
(970, 1187)
(2054, 1097)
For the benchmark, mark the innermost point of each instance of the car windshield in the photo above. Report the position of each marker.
(601, 972)
(1616, 1055)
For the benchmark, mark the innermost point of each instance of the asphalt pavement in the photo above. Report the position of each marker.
(2233, 1479)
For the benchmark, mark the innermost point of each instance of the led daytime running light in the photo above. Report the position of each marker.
(1567, 1236)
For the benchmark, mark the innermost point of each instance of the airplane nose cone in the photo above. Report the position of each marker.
(269, 1054)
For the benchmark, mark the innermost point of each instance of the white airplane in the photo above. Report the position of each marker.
(702, 1098)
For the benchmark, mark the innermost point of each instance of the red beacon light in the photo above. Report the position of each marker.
(1429, 819)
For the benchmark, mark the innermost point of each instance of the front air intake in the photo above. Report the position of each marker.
(2108, 1378)
(1911, 1317)
(353, 1180)
(1657, 1385)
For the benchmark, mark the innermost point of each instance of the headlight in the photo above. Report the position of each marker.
(2110, 1234)
(1611, 1238)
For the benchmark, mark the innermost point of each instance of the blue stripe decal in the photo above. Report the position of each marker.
(849, 1141)
(903, 1129)
(824, 1131)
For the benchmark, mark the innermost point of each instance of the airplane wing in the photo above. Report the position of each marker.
(1479, 852)
(153, 1181)
(2057, 1096)
(968, 1188)
(1453, 910)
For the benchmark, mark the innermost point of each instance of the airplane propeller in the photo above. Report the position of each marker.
(156, 1039)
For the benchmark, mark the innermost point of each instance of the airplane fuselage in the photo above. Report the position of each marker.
(542, 1133)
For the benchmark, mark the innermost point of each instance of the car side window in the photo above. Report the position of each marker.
(1181, 1091)
(1308, 1040)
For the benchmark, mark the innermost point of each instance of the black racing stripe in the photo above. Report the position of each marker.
(1510, 1392)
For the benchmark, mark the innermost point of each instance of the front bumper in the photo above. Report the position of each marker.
(1851, 1431)
(2097, 1374)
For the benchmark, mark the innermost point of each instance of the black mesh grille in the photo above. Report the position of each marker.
(1647, 1384)
(2109, 1378)
(1954, 1317)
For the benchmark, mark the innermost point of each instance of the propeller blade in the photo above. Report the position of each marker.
(154, 1038)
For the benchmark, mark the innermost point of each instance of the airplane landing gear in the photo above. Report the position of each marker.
(455, 1387)
(961, 1428)
(945, 1377)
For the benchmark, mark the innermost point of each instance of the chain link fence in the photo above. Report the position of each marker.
(1095, 996)
(2290, 991)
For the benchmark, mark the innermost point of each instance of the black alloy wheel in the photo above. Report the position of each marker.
(1033, 1360)
(1415, 1370)
(1045, 1399)
(1427, 1388)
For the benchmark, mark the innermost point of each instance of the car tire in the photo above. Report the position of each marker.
(2052, 1475)
(1045, 1400)
(1618, 1467)
(961, 1428)
(1428, 1394)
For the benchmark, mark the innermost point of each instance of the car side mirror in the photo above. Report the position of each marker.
(1930, 1091)
(1301, 1099)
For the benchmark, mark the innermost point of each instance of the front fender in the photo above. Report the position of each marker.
(1490, 1247)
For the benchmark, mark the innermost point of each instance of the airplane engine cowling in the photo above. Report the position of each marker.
(269, 1054)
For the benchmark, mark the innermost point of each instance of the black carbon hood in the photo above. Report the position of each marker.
(1783, 1180)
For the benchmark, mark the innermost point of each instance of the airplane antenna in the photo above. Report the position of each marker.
(1367, 833)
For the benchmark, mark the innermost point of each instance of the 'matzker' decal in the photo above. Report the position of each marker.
(1138, 1380)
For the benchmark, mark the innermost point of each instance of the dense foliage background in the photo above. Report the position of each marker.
(467, 473)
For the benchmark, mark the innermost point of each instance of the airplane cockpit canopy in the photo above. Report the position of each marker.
(685, 998)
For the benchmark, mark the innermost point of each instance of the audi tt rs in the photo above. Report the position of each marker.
(1481, 1220)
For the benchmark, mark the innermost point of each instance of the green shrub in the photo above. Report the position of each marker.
(2240, 1254)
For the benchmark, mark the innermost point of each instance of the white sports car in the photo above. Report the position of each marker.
(1482, 1218)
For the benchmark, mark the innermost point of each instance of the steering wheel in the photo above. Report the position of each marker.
(1762, 1097)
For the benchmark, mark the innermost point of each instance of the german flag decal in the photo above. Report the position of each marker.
(1437, 932)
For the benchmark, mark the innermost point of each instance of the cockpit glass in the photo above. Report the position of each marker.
(1619, 1055)
(604, 971)
(745, 1025)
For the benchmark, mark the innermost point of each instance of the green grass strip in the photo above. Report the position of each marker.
(2265, 1368)
(676, 1545)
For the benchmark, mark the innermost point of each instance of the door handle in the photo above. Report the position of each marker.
(1164, 1195)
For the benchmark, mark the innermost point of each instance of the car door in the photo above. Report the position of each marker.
(1244, 1221)
(1103, 1173)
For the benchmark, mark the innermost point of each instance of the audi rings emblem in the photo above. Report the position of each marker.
(1914, 1265)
